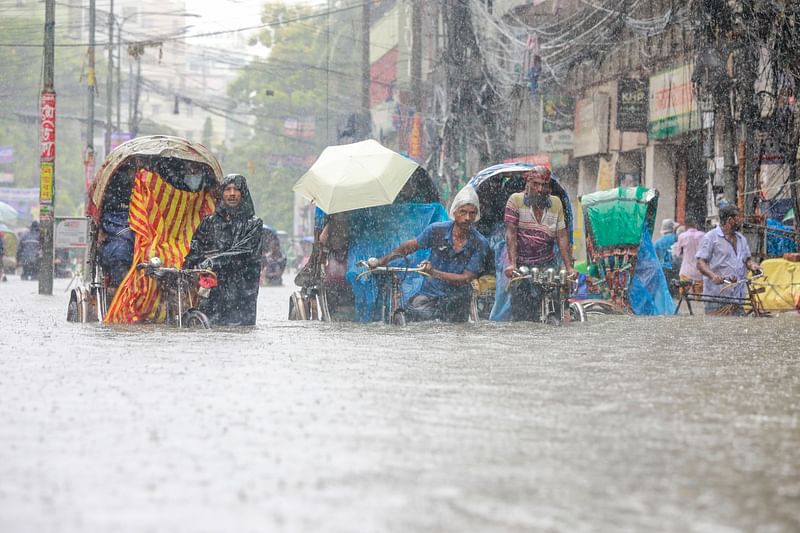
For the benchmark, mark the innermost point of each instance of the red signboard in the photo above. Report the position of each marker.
(383, 77)
(47, 115)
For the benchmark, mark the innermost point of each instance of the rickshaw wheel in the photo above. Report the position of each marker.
(553, 320)
(196, 319)
(73, 312)
(297, 308)
(399, 318)
(576, 312)
(324, 313)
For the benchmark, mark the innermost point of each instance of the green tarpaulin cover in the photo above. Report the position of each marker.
(616, 217)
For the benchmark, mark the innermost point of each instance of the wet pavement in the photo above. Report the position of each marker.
(620, 424)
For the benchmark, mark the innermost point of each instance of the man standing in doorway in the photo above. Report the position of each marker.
(535, 222)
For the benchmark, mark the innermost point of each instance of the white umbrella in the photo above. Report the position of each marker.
(354, 176)
(8, 214)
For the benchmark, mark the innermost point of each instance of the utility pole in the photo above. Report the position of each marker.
(366, 121)
(109, 78)
(416, 54)
(47, 153)
(91, 85)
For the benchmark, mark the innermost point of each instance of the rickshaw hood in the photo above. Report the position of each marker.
(152, 146)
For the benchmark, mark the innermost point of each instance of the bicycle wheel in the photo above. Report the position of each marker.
(399, 318)
(298, 307)
(195, 319)
(576, 312)
(553, 320)
(324, 310)
(73, 312)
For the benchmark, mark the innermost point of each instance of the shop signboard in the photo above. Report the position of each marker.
(591, 125)
(673, 109)
(558, 117)
(632, 105)
(71, 232)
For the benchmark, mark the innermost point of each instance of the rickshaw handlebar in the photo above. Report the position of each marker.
(388, 269)
(518, 276)
(175, 270)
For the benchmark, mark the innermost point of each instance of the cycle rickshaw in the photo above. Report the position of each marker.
(145, 203)
(329, 285)
(624, 273)
(491, 300)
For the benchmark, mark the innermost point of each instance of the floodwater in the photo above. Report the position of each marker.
(620, 424)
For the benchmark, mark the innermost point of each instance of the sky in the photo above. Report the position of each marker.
(229, 14)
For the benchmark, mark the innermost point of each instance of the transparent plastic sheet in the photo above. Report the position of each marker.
(501, 310)
(374, 232)
(779, 243)
(649, 292)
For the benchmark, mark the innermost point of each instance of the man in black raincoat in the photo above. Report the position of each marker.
(229, 243)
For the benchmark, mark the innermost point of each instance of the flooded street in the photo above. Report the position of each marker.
(619, 424)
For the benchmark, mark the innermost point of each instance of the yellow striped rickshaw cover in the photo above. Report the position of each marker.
(163, 219)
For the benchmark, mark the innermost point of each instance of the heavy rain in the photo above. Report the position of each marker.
(394, 265)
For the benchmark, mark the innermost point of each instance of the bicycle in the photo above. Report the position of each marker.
(751, 304)
(393, 309)
(177, 286)
(555, 289)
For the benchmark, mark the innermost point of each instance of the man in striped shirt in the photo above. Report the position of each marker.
(534, 223)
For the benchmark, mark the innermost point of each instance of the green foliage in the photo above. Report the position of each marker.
(20, 86)
(208, 132)
(308, 75)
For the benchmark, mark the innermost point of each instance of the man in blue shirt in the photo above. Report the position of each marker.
(458, 252)
(725, 255)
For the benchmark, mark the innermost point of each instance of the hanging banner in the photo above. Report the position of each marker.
(47, 117)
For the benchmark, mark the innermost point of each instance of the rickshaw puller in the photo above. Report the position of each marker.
(229, 243)
(458, 252)
(535, 221)
(725, 255)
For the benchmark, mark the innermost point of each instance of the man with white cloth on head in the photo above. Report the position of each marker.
(458, 252)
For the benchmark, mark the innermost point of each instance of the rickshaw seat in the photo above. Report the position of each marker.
(485, 283)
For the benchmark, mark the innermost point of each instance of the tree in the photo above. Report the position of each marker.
(308, 84)
(20, 85)
(208, 132)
